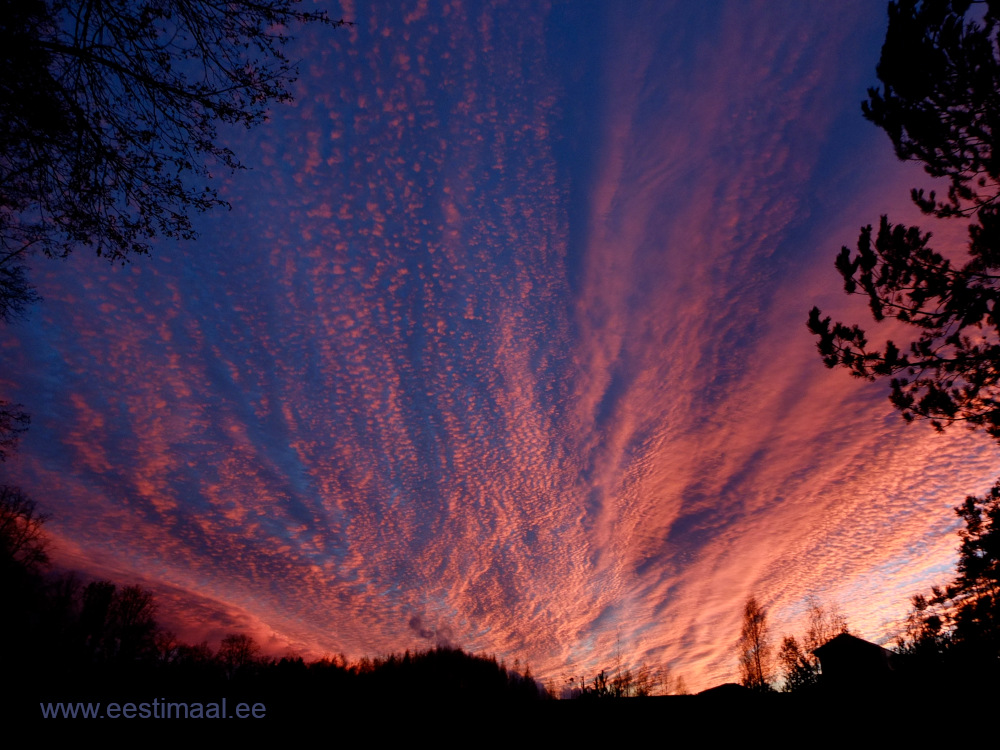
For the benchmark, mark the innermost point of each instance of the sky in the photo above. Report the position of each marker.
(502, 344)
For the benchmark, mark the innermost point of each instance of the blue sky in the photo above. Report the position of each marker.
(504, 335)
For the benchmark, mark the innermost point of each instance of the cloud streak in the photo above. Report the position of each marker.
(476, 358)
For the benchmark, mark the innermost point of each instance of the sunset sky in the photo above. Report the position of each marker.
(503, 344)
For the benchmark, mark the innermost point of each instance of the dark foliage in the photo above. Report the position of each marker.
(442, 673)
(239, 655)
(623, 682)
(13, 422)
(939, 100)
(800, 667)
(22, 539)
(109, 114)
(16, 292)
(955, 632)
(939, 103)
(754, 648)
(66, 640)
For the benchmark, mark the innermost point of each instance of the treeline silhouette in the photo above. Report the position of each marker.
(950, 641)
(63, 638)
(66, 638)
(952, 636)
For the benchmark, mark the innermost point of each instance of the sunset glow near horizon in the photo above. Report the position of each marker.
(503, 345)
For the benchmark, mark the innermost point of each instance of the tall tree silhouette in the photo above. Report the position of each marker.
(754, 648)
(23, 542)
(939, 103)
(238, 653)
(957, 627)
(13, 422)
(134, 623)
(109, 114)
(800, 667)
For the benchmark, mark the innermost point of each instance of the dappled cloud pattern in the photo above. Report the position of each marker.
(502, 345)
